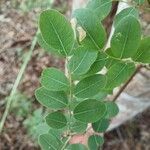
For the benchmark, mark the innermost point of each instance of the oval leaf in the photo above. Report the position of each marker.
(126, 38)
(51, 99)
(95, 141)
(90, 86)
(82, 60)
(98, 64)
(118, 74)
(49, 142)
(89, 111)
(112, 109)
(56, 120)
(56, 31)
(131, 11)
(45, 46)
(78, 126)
(100, 7)
(101, 95)
(95, 33)
(54, 80)
(143, 53)
(101, 125)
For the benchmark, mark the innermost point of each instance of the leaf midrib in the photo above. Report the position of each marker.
(46, 76)
(48, 143)
(80, 62)
(53, 120)
(125, 42)
(87, 87)
(109, 81)
(89, 34)
(59, 38)
(54, 99)
(103, 5)
(87, 111)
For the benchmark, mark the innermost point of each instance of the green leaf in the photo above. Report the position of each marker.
(45, 46)
(76, 147)
(139, 2)
(56, 120)
(54, 80)
(101, 95)
(57, 31)
(111, 60)
(49, 142)
(118, 74)
(112, 109)
(57, 133)
(51, 99)
(95, 67)
(82, 60)
(143, 53)
(101, 125)
(95, 141)
(98, 64)
(89, 111)
(100, 7)
(41, 128)
(73, 103)
(78, 126)
(95, 33)
(126, 38)
(90, 86)
(131, 11)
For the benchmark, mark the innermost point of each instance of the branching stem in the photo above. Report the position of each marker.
(127, 83)
(70, 93)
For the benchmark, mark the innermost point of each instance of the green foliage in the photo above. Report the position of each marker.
(130, 11)
(76, 147)
(57, 31)
(95, 141)
(56, 120)
(51, 99)
(143, 53)
(54, 80)
(126, 39)
(80, 97)
(35, 124)
(89, 111)
(45, 46)
(119, 73)
(50, 142)
(139, 2)
(78, 126)
(112, 109)
(98, 64)
(100, 7)
(95, 36)
(101, 125)
(21, 101)
(82, 60)
(90, 86)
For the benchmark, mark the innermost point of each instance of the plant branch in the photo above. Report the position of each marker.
(65, 144)
(17, 81)
(126, 84)
(68, 73)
